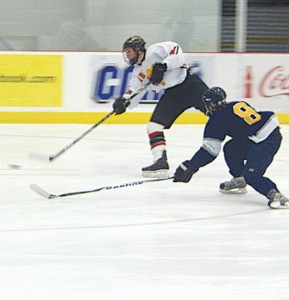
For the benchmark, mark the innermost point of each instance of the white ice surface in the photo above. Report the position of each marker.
(155, 241)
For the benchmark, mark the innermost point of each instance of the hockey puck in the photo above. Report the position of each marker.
(14, 166)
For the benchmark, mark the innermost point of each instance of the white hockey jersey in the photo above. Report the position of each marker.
(165, 52)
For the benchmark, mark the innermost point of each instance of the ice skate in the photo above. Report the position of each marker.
(159, 169)
(236, 185)
(277, 200)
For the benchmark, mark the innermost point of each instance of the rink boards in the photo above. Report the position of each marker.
(79, 87)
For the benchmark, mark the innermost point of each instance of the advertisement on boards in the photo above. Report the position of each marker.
(266, 81)
(31, 80)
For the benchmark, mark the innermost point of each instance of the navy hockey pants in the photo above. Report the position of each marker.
(251, 160)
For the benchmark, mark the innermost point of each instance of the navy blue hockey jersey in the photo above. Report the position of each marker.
(237, 120)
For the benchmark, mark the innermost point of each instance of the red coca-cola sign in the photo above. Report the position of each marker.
(275, 82)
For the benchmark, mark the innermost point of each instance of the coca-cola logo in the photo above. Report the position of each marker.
(274, 83)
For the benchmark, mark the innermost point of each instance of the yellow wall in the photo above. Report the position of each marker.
(94, 117)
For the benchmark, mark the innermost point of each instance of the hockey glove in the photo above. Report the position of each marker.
(120, 105)
(158, 73)
(184, 172)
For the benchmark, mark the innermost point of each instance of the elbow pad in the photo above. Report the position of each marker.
(213, 146)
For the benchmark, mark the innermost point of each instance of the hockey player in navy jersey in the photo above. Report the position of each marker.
(255, 139)
(162, 65)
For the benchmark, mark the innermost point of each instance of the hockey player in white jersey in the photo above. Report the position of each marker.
(163, 67)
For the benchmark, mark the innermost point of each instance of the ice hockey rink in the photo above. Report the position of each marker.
(152, 241)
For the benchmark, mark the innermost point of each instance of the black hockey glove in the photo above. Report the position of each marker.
(119, 105)
(158, 73)
(184, 172)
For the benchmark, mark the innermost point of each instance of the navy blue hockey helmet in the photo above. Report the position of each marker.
(137, 44)
(214, 99)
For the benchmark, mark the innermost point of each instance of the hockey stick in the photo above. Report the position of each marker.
(51, 158)
(40, 191)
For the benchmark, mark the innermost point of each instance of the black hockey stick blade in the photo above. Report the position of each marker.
(40, 191)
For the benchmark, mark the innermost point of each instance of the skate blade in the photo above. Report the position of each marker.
(234, 191)
(277, 205)
(156, 174)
